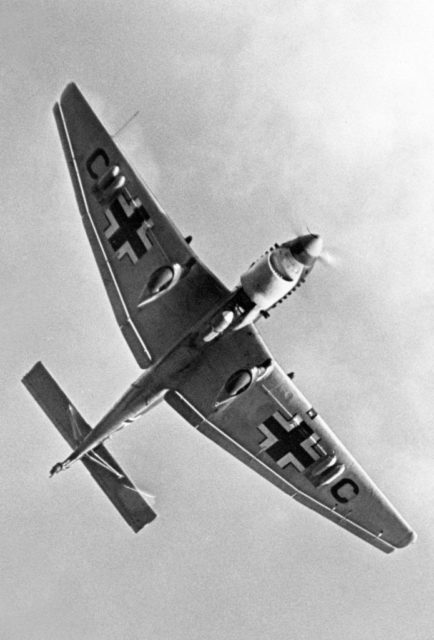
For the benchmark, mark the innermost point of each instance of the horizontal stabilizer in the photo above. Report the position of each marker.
(101, 465)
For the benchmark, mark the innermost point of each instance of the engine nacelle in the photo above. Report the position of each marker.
(266, 282)
(279, 271)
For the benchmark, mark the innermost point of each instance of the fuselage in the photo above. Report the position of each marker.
(270, 279)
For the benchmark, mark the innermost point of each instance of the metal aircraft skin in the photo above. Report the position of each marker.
(199, 349)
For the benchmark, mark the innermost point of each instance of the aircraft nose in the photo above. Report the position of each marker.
(306, 249)
(312, 245)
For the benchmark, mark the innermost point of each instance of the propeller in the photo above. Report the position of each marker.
(329, 258)
(296, 227)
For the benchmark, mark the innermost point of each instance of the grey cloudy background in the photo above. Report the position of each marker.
(256, 119)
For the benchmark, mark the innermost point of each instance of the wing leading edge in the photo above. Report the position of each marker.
(138, 249)
(273, 429)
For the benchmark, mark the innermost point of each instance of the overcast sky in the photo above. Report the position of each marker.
(256, 120)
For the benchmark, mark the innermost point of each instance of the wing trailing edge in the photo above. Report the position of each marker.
(103, 468)
(112, 286)
(132, 238)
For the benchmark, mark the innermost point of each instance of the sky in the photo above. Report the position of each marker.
(256, 120)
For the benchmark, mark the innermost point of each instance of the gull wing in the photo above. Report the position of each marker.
(273, 429)
(157, 286)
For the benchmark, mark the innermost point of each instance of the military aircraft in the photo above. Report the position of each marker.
(199, 349)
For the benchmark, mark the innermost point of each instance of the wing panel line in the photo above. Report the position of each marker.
(295, 493)
(95, 241)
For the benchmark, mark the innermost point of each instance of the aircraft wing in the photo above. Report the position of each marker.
(273, 429)
(139, 251)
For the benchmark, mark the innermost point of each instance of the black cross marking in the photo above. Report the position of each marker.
(289, 441)
(128, 227)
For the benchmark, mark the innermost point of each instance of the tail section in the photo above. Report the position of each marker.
(99, 462)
